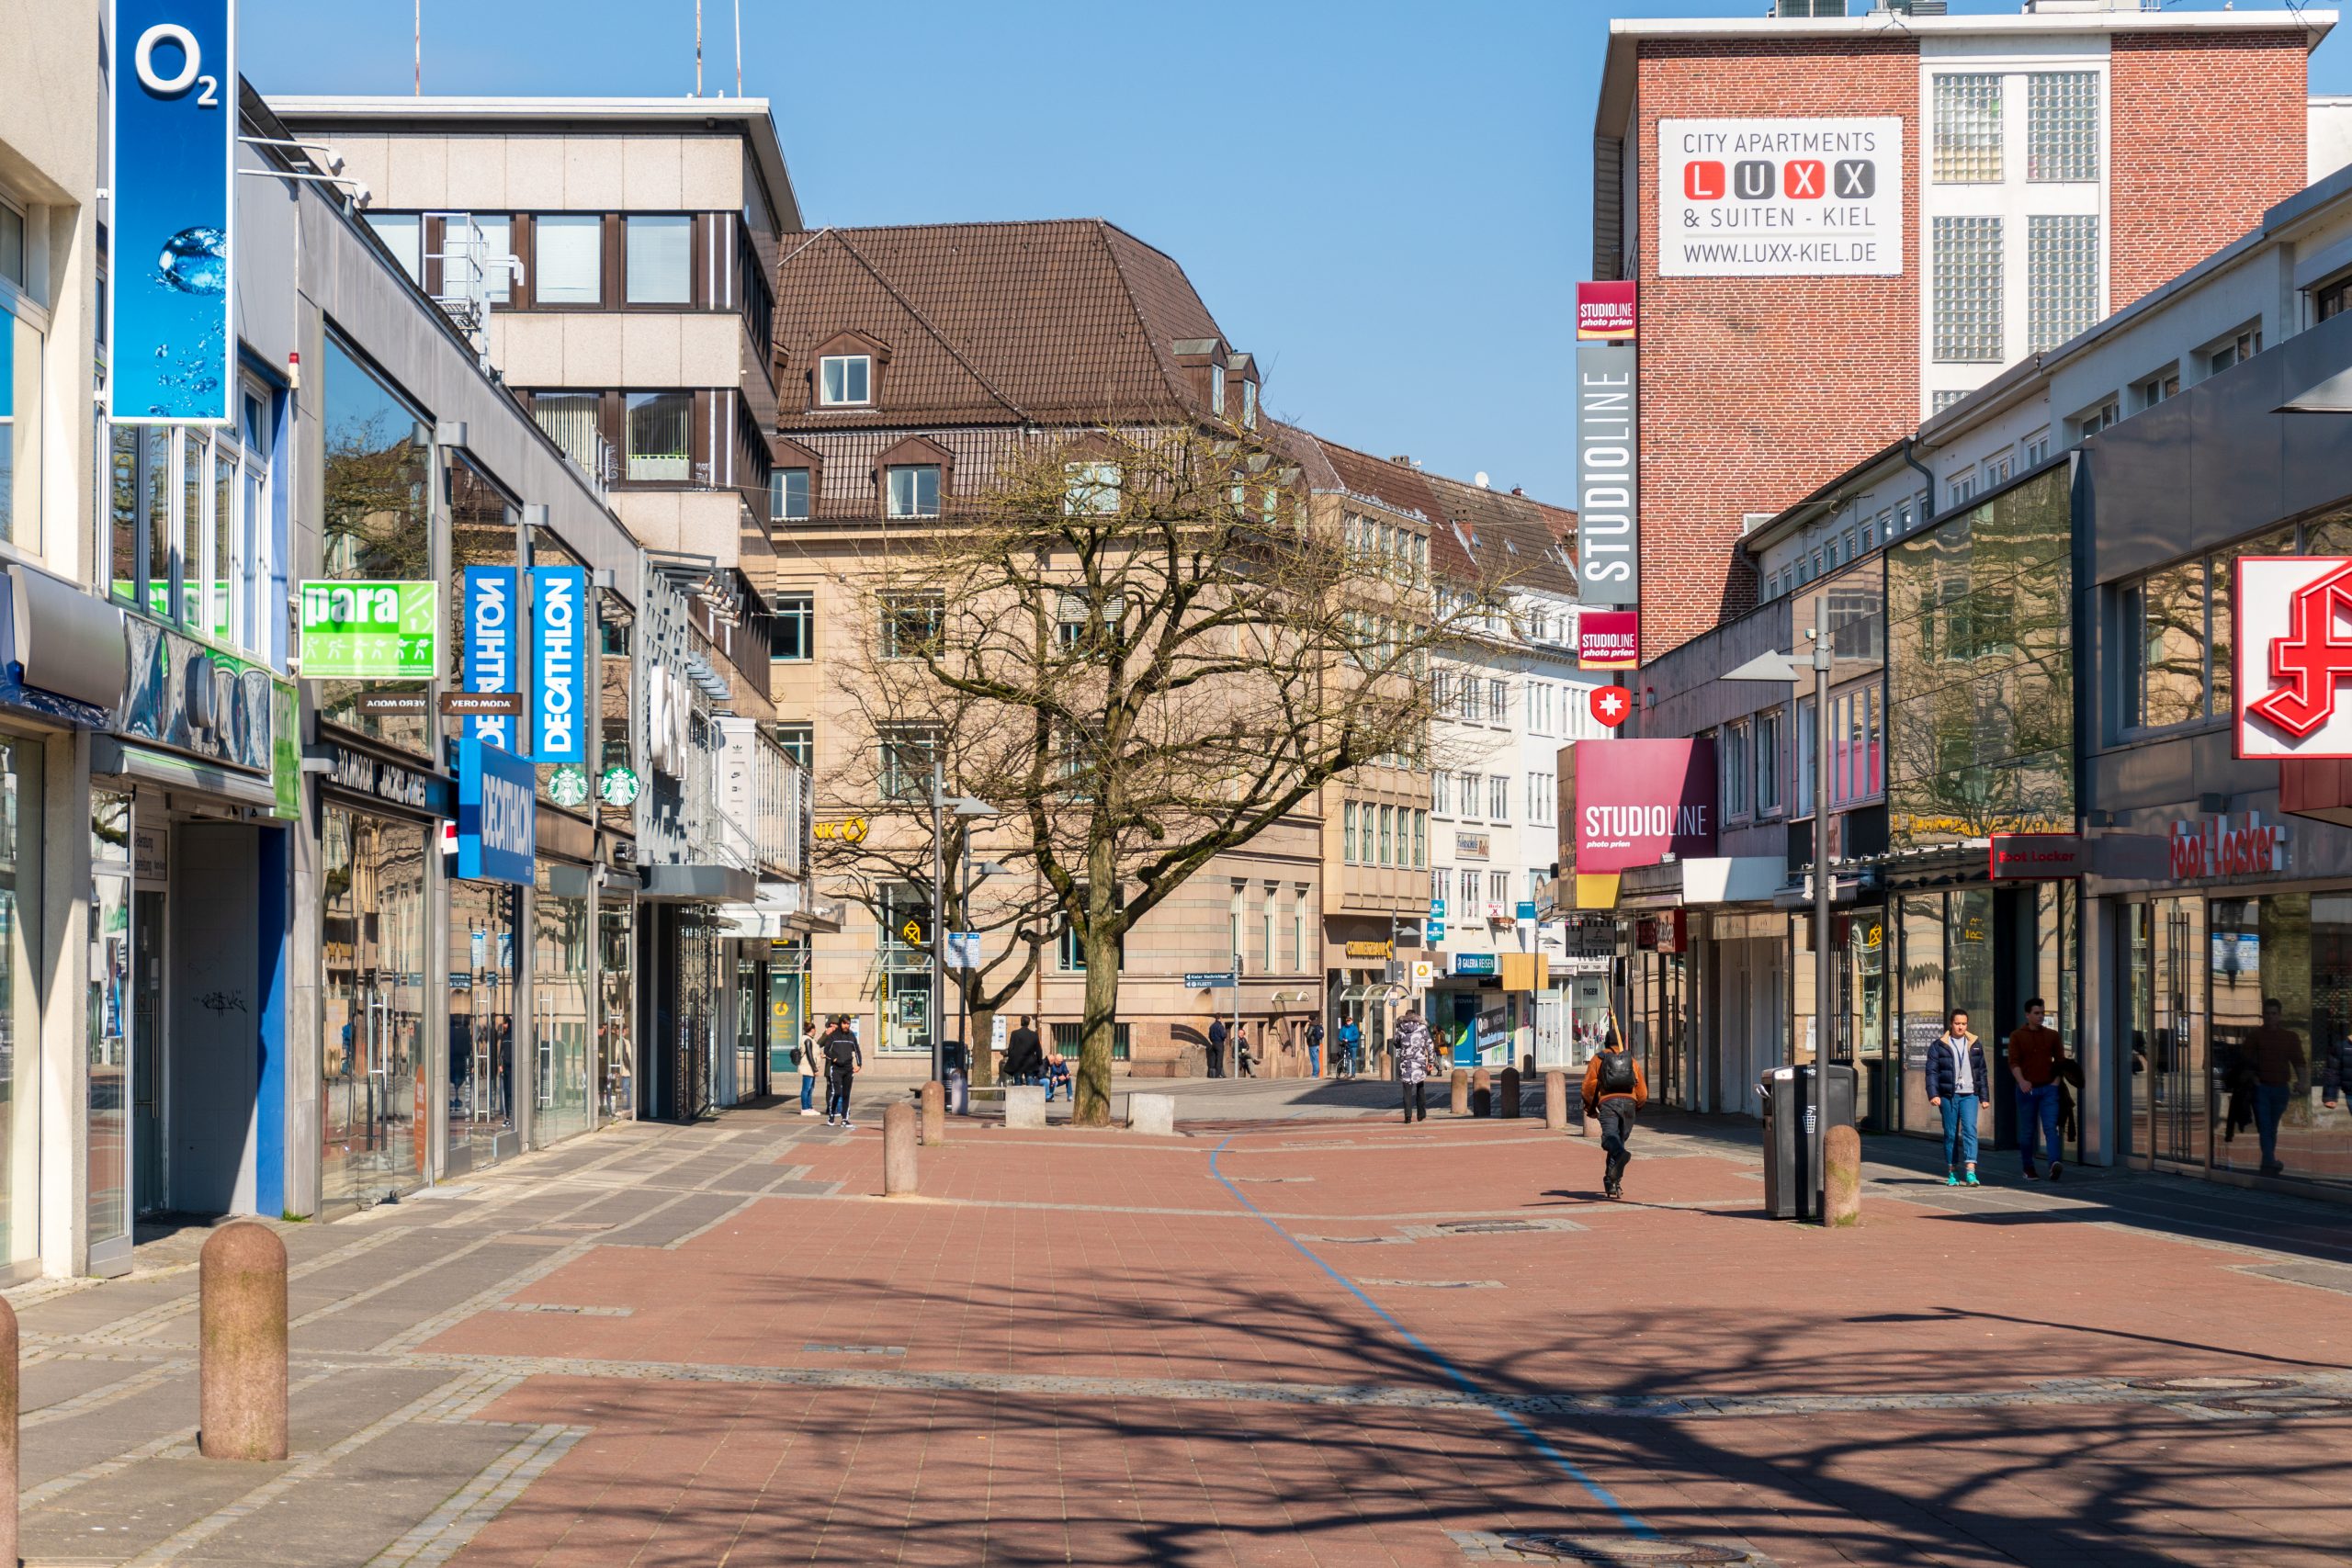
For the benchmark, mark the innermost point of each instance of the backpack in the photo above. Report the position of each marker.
(1616, 1072)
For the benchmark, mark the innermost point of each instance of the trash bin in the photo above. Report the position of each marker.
(1792, 1187)
(955, 1077)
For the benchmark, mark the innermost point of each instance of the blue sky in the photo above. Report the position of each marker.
(1387, 203)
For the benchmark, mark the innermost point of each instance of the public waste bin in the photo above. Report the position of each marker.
(1791, 1186)
(955, 1077)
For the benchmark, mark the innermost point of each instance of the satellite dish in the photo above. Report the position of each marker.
(1479, 478)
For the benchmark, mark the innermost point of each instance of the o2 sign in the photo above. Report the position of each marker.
(170, 329)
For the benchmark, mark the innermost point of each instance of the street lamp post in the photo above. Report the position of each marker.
(1780, 668)
(964, 807)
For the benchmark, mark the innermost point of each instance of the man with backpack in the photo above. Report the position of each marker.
(1615, 1091)
(844, 1056)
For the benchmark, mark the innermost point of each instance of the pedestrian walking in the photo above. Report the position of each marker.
(1216, 1048)
(1956, 1083)
(844, 1056)
(1412, 1053)
(2278, 1054)
(1614, 1093)
(1025, 1063)
(1315, 1049)
(1351, 1046)
(2033, 1064)
(808, 1059)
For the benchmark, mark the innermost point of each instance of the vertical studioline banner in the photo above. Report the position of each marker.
(1608, 482)
(490, 647)
(170, 332)
(562, 696)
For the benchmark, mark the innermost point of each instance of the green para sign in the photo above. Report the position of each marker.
(371, 631)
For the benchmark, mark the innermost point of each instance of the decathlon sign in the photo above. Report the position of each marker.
(1609, 548)
(1779, 198)
(562, 697)
(2293, 617)
(490, 647)
(497, 813)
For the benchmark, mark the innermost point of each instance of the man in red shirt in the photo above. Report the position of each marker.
(2033, 1062)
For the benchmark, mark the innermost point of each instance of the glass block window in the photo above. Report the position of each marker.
(1946, 396)
(1968, 129)
(2062, 126)
(1968, 290)
(2062, 277)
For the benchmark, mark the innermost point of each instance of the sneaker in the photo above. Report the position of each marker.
(1951, 1178)
(1970, 1180)
(2053, 1166)
(2031, 1175)
(848, 1125)
(808, 1113)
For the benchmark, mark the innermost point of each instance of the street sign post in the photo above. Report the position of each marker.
(1208, 982)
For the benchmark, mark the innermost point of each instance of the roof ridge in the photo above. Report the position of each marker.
(925, 323)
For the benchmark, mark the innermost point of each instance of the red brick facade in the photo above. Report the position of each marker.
(1754, 389)
(2204, 132)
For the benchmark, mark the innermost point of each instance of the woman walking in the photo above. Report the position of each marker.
(1413, 1065)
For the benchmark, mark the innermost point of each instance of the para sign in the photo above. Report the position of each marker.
(1779, 198)
(1638, 801)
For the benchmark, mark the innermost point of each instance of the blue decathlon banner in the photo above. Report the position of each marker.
(173, 186)
(490, 647)
(562, 696)
(497, 813)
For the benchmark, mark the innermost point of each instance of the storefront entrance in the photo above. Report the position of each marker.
(483, 919)
(373, 934)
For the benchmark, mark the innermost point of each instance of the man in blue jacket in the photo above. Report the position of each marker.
(1956, 1086)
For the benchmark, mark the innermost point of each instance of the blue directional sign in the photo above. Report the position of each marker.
(1526, 910)
(1437, 908)
(173, 187)
(490, 647)
(497, 813)
(564, 697)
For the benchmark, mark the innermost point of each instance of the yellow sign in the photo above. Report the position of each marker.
(849, 829)
(912, 931)
(1372, 949)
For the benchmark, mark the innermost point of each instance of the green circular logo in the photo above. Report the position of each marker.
(618, 787)
(568, 785)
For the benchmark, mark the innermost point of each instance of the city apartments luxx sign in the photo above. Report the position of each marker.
(1779, 198)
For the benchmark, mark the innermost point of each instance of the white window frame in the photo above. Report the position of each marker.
(891, 507)
(547, 286)
(863, 364)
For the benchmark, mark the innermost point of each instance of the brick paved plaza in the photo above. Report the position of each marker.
(1297, 1334)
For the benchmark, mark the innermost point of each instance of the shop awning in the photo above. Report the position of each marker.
(122, 759)
(699, 884)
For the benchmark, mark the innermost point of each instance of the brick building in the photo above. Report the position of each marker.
(1842, 224)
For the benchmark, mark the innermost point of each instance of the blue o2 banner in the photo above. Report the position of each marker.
(497, 813)
(173, 187)
(490, 647)
(563, 697)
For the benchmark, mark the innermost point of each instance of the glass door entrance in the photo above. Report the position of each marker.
(374, 937)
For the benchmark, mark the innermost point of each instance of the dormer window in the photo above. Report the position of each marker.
(1248, 405)
(1217, 390)
(845, 380)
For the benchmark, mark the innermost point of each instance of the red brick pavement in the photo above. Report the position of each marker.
(1683, 1292)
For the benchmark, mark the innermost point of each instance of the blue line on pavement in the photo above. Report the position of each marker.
(1535, 1439)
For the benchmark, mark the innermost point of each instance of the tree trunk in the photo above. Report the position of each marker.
(1093, 1088)
(983, 1060)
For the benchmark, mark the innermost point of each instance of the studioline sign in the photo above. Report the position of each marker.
(1607, 487)
(1608, 639)
(490, 647)
(1606, 311)
(497, 813)
(2294, 656)
(173, 184)
(1638, 801)
(562, 698)
(1779, 198)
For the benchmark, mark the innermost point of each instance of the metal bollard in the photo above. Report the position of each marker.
(1461, 1106)
(1842, 1164)
(1508, 1089)
(898, 1150)
(8, 1407)
(935, 1114)
(241, 1344)
(1555, 1102)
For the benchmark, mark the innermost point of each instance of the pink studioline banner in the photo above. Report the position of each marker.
(1608, 639)
(1606, 311)
(1639, 801)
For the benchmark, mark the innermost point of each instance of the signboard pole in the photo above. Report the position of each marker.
(938, 907)
(1822, 967)
(1237, 1014)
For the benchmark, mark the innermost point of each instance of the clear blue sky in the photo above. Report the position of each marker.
(1387, 203)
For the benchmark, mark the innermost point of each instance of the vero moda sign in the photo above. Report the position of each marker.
(1639, 801)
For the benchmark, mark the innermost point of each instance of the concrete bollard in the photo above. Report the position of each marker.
(1842, 1164)
(1461, 1106)
(241, 1344)
(1152, 1113)
(1025, 1105)
(8, 1407)
(1508, 1088)
(935, 1114)
(898, 1150)
(1482, 1092)
(1555, 1102)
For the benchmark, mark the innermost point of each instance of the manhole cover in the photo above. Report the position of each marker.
(2218, 1382)
(1629, 1551)
(2283, 1404)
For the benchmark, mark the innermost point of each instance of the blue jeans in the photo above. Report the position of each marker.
(1058, 1076)
(2270, 1105)
(1315, 1061)
(808, 1091)
(1960, 1127)
(2038, 1111)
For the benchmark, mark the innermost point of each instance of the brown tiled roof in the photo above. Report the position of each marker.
(1064, 321)
(1474, 532)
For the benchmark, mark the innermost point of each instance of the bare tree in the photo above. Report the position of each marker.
(1171, 651)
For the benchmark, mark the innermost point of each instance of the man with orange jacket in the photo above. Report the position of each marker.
(1614, 1090)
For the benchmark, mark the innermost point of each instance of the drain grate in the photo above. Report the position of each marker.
(1655, 1553)
(814, 1349)
(2213, 1383)
(2288, 1404)
(1434, 1284)
(1485, 1227)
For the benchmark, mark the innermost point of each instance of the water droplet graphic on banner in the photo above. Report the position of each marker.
(196, 261)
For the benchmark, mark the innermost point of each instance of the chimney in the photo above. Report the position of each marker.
(1516, 491)
(1402, 459)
